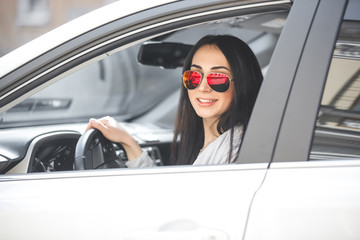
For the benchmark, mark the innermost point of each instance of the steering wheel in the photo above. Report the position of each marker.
(94, 151)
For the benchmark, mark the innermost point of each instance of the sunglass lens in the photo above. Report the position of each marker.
(191, 79)
(218, 82)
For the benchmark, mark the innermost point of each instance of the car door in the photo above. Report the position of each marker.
(184, 202)
(312, 188)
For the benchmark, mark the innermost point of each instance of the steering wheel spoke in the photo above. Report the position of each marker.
(94, 151)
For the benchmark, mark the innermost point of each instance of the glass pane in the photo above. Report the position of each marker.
(337, 133)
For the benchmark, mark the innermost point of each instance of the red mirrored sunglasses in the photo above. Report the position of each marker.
(218, 82)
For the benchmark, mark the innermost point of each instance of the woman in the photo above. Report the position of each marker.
(221, 80)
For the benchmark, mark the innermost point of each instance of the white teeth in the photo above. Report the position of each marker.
(206, 100)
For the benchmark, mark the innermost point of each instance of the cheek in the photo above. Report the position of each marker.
(190, 96)
(189, 93)
(228, 97)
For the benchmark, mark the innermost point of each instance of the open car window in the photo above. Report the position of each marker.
(137, 83)
(119, 85)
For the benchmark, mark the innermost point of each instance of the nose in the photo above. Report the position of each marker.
(204, 86)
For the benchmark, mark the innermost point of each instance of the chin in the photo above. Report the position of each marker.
(206, 115)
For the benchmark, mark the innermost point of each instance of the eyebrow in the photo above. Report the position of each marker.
(213, 68)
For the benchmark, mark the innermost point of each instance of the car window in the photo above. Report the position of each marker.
(137, 84)
(337, 133)
(119, 85)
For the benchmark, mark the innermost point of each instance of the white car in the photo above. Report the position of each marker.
(298, 172)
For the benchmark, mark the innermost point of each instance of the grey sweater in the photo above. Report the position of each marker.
(215, 153)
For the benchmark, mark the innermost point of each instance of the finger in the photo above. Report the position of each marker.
(106, 119)
(98, 125)
(90, 125)
(108, 122)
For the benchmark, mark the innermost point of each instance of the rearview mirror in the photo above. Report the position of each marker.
(163, 54)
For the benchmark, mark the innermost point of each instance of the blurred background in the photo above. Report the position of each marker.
(23, 20)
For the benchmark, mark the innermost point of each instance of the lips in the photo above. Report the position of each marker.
(206, 102)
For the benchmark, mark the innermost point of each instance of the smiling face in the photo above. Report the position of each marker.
(209, 104)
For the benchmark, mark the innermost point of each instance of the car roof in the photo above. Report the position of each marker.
(73, 29)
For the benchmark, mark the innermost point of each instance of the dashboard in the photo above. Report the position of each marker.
(51, 148)
(54, 153)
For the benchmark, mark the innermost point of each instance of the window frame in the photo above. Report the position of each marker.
(301, 112)
(99, 43)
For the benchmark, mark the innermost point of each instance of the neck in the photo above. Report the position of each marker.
(210, 131)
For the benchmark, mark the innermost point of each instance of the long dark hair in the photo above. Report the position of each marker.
(247, 78)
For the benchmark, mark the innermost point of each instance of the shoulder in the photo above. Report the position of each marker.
(217, 152)
(237, 134)
(224, 139)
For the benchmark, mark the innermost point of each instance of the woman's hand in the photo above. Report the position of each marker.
(114, 132)
(110, 128)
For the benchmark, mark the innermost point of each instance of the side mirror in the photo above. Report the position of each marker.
(163, 54)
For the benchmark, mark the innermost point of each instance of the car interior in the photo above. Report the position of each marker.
(139, 86)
